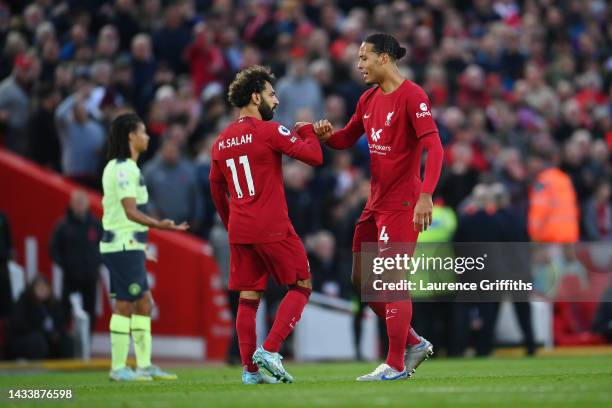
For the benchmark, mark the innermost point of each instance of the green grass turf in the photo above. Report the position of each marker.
(496, 382)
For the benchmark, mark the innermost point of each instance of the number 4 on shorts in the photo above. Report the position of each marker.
(383, 234)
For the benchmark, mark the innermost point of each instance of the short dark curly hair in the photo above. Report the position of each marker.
(385, 43)
(247, 81)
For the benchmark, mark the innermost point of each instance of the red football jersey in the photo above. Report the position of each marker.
(393, 124)
(246, 163)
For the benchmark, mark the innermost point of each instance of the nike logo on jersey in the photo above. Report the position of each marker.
(367, 115)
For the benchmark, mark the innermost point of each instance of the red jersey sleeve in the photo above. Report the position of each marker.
(418, 110)
(347, 136)
(303, 146)
(433, 164)
(219, 193)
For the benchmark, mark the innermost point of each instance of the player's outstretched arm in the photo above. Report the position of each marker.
(134, 214)
(304, 146)
(343, 138)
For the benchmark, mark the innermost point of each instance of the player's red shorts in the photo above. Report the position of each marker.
(252, 264)
(384, 228)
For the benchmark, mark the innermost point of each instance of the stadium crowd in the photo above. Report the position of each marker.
(516, 87)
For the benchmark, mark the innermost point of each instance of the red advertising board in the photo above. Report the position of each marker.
(185, 280)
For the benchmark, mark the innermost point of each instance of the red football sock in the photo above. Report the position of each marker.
(398, 318)
(287, 316)
(380, 310)
(247, 336)
(413, 338)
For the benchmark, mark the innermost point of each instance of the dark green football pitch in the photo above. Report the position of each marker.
(496, 382)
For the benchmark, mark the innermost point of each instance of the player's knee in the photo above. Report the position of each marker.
(301, 287)
(123, 308)
(144, 305)
(306, 283)
(250, 294)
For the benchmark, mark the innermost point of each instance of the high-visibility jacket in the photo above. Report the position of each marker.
(435, 242)
(553, 213)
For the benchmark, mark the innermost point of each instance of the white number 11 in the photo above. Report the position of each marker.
(244, 160)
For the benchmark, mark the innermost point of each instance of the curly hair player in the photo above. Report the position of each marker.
(246, 166)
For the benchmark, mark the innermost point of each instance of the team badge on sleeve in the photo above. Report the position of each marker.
(283, 130)
(122, 178)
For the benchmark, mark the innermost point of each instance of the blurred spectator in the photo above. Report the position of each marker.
(50, 59)
(553, 212)
(479, 223)
(460, 178)
(602, 322)
(81, 137)
(172, 39)
(107, 44)
(298, 82)
(219, 241)
(78, 39)
(123, 16)
(38, 325)
(597, 215)
(202, 164)
(6, 253)
(173, 189)
(43, 139)
(323, 263)
(335, 111)
(206, 62)
(432, 311)
(213, 110)
(514, 227)
(15, 102)
(74, 247)
(144, 67)
(14, 45)
(301, 205)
